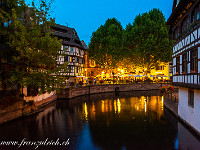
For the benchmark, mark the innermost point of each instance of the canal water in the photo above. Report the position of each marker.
(123, 121)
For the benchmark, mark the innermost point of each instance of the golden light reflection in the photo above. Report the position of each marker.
(110, 104)
(145, 109)
(162, 102)
(106, 105)
(102, 106)
(118, 106)
(86, 111)
(93, 111)
(115, 106)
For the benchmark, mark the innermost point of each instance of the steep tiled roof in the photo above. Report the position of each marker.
(68, 35)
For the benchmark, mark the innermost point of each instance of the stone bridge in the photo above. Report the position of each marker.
(93, 89)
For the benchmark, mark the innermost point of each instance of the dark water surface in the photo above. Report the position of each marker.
(130, 120)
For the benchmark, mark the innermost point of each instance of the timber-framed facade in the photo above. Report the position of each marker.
(185, 27)
(72, 46)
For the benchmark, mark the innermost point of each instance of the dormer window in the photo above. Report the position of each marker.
(176, 33)
(185, 25)
(193, 17)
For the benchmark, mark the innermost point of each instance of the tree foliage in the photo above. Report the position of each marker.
(106, 42)
(35, 50)
(147, 40)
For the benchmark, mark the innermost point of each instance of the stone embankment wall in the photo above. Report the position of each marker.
(19, 109)
(74, 92)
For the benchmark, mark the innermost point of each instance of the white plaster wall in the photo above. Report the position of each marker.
(39, 97)
(187, 113)
(186, 140)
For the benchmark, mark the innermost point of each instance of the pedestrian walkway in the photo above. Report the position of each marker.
(171, 102)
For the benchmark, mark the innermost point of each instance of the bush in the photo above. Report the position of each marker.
(170, 88)
(90, 82)
(163, 90)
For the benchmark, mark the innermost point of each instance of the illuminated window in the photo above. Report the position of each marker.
(92, 63)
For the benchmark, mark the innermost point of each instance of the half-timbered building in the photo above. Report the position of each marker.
(74, 49)
(185, 27)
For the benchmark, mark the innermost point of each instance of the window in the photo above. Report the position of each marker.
(70, 59)
(178, 64)
(193, 60)
(176, 33)
(195, 13)
(79, 52)
(80, 61)
(64, 47)
(69, 68)
(193, 16)
(72, 49)
(92, 73)
(191, 98)
(185, 25)
(65, 58)
(184, 63)
(160, 67)
(92, 63)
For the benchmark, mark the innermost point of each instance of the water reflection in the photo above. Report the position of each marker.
(127, 121)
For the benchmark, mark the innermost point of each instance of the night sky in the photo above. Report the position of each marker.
(87, 15)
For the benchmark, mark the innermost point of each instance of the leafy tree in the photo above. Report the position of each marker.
(105, 44)
(6, 52)
(35, 50)
(147, 40)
